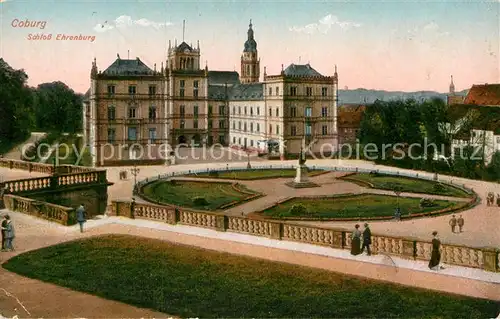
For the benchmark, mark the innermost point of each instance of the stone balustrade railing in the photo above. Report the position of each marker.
(482, 258)
(44, 168)
(56, 213)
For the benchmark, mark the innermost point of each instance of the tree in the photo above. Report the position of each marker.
(58, 108)
(16, 102)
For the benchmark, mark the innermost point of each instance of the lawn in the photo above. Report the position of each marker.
(363, 205)
(191, 282)
(411, 185)
(254, 174)
(182, 193)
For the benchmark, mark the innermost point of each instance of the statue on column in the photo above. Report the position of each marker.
(302, 156)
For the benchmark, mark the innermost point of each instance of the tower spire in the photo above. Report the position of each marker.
(452, 86)
(183, 29)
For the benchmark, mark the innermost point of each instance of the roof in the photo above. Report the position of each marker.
(128, 67)
(183, 47)
(247, 91)
(354, 107)
(223, 78)
(484, 94)
(350, 115)
(86, 96)
(301, 70)
(216, 92)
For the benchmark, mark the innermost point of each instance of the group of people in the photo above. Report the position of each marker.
(490, 199)
(454, 222)
(365, 238)
(8, 234)
(356, 247)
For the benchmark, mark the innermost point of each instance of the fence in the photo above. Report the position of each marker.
(59, 214)
(482, 258)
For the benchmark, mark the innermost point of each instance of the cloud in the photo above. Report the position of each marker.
(127, 21)
(324, 25)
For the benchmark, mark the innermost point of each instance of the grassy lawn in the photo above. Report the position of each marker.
(191, 282)
(411, 185)
(363, 205)
(182, 193)
(255, 174)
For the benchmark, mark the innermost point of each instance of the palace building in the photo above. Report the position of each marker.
(135, 114)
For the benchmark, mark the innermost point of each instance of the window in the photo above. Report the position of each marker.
(277, 129)
(152, 134)
(277, 91)
(195, 110)
(222, 140)
(308, 111)
(210, 110)
(195, 88)
(245, 127)
(111, 90)
(293, 111)
(324, 91)
(222, 109)
(251, 127)
(152, 90)
(234, 125)
(182, 110)
(239, 140)
(182, 87)
(324, 111)
(221, 124)
(210, 140)
(111, 135)
(308, 129)
(239, 110)
(132, 89)
(309, 91)
(258, 128)
(152, 112)
(270, 112)
(258, 111)
(132, 134)
(183, 124)
(195, 123)
(270, 129)
(210, 124)
(270, 91)
(132, 112)
(293, 130)
(245, 110)
(111, 112)
(239, 125)
(293, 90)
(251, 143)
(277, 112)
(234, 109)
(324, 130)
(251, 110)
(234, 140)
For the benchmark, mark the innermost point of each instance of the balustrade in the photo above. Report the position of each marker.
(249, 226)
(59, 214)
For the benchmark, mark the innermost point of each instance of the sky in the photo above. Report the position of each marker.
(385, 45)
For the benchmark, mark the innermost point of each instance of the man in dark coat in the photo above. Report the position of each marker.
(4, 225)
(367, 240)
(436, 253)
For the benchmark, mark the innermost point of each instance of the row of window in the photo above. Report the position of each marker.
(131, 134)
(132, 111)
(132, 89)
(293, 128)
(209, 124)
(294, 91)
(293, 111)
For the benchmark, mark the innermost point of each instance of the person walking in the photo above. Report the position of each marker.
(4, 225)
(356, 241)
(367, 240)
(436, 253)
(9, 234)
(460, 223)
(453, 223)
(80, 216)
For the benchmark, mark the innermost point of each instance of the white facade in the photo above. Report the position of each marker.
(485, 141)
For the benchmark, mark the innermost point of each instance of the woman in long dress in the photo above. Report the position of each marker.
(9, 234)
(435, 254)
(356, 241)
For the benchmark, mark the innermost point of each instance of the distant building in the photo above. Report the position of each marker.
(349, 122)
(132, 112)
(453, 97)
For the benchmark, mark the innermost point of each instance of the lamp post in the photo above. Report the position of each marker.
(248, 160)
(134, 171)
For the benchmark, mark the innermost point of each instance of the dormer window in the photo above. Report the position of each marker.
(132, 89)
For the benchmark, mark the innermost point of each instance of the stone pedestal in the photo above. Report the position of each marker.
(301, 179)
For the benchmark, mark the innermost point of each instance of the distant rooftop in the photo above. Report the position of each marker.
(223, 77)
(299, 70)
(247, 91)
(484, 94)
(128, 67)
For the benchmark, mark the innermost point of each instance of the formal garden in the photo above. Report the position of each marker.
(254, 174)
(192, 282)
(405, 184)
(359, 206)
(197, 194)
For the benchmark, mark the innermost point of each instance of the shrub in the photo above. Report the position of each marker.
(438, 187)
(298, 209)
(427, 202)
(173, 182)
(200, 201)
(375, 174)
(213, 173)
